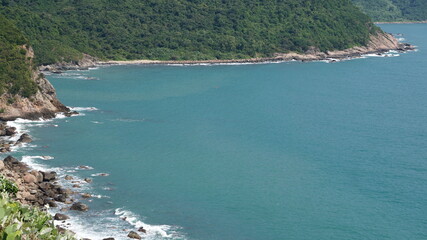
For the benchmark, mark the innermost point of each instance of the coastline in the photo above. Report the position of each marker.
(379, 44)
(51, 190)
(43, 191)
(402, 22)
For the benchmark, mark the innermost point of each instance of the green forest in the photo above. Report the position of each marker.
(61, 30)
(15, 69)
(394, 10)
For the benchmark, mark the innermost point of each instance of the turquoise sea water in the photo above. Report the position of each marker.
(268, 151)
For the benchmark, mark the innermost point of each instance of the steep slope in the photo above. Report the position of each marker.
(61, 30)
(394, 10)
(24, 92)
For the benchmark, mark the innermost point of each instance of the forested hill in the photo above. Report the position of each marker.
(394, 10)
(185, 29)
(15, 68)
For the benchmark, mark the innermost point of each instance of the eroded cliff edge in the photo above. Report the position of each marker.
(42, 104)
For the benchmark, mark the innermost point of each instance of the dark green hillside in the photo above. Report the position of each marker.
(394, 10)
(15, 71)
(185, 29)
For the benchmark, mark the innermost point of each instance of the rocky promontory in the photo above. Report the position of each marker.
(43, 104)
(379, 43)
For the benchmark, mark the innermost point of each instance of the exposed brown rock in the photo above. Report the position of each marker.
(134, 235)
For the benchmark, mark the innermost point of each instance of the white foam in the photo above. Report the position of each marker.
(31, 161)
(100, 175)
(41, 157)
(164, 231)
(84, 167)
(83, 109)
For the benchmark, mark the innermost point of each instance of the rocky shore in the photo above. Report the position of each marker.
(42, 189)
(43, 104)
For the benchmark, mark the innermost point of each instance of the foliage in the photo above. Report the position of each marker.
(15, 70)
(394, 10)
(7, 186)
(22, 222)
(185, 29)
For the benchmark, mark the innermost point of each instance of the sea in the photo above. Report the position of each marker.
(272, 151)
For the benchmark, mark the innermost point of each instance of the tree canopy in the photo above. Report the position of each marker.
(394, 10)
(15, 68)
(185, 29)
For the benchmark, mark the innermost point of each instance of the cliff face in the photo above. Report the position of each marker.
(43, 104)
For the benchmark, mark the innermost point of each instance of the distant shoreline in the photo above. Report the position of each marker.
(379, 44)
(404, 22)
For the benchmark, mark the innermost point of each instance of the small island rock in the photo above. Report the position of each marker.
(134, 235)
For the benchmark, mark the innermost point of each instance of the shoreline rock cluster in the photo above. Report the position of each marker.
(42, 189)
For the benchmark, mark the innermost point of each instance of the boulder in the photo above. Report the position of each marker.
(1, 165)
(50, 193)
(49, 176)
(52, 204)
(38, 175)
(10, 131)
(10, 161)
(86, 195)
(60, 217)
(68, 177)
(79, 207)
(24, 138)
(141, 229)
(65, 191)
(46, 186)
(60, 198)
(134, 235)
(110, 238)
(29, 178)
(88, 180)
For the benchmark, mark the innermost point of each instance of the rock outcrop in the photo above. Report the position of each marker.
(84, 63)
(379, 43)
(43, 104)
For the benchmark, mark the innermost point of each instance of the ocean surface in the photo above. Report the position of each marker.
(295, 151)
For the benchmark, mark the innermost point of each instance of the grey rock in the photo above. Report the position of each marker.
(10, 131)
(68, 177)
(79, 207)
(49, 176)
(24, 138)
(60, 216)
(134, 235)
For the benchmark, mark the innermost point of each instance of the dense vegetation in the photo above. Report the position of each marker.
(394, 10)
(185, 29)
(23, 222)
(15, 71)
